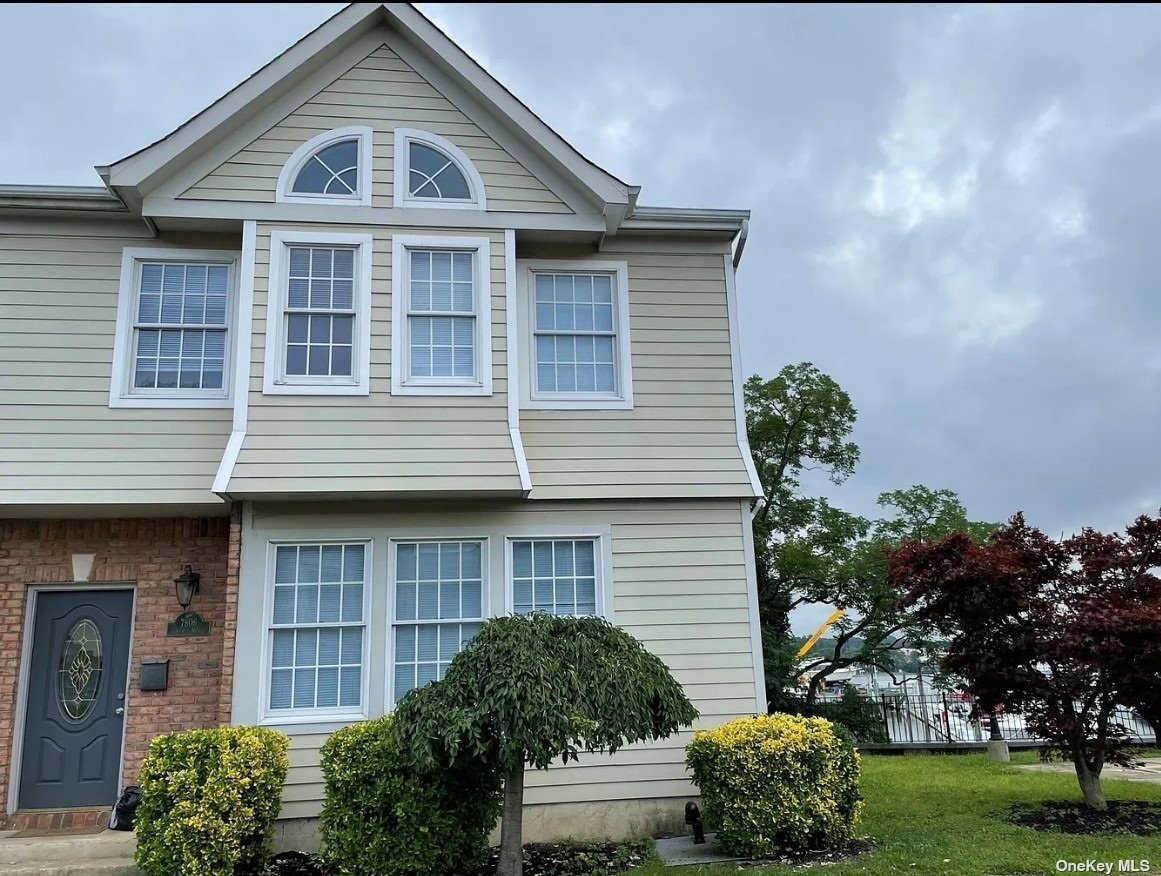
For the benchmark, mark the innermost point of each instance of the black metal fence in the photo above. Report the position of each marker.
(946, 718)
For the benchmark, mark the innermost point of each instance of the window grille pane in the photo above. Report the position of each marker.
(317, 667)
(556, 576)
(434, 175)
(320, 344)
(574, 334)
(435, 582)
(333, 170)
(168, 356)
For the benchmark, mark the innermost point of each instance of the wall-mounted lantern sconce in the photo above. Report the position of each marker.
(187, 584)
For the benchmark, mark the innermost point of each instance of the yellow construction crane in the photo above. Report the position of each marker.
(819, 633)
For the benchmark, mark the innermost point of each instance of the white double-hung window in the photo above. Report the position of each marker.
(439, 605)
(175, 318)
(316, 630)
(441, 319)
(318, 337)
(575, 335)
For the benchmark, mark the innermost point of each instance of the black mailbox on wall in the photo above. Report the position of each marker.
(154, 675)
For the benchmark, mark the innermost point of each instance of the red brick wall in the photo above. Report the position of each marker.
(148, 553)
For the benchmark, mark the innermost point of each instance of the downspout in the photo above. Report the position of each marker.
(741, 247)
(242, 352)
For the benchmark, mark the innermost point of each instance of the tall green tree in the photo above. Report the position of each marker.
(534, 691)
(798, 421)
(852, 573)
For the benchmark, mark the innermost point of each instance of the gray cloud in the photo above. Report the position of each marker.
(956, 210)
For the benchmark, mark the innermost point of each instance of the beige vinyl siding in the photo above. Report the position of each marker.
(60, 443)
(377, 444)
(680, 438)
(678, 583)
(381, 91)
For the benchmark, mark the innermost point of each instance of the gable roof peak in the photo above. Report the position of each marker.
(136, 174)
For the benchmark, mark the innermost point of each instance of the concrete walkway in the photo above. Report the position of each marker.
(1150, 772)
(108, 853)
(679, 851)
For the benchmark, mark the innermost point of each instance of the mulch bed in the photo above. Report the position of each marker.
(540, 859)
(1125, 817)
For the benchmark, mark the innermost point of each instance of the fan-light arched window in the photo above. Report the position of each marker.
(334, 167)
(431, 171)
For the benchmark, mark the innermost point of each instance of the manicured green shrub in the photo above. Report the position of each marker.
(777, 782)
(384, 817)
(209, 800)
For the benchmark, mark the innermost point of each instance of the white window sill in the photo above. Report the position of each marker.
(441, 389)
(162, 402)
(315, 389)
(327, 721)
(579, 402)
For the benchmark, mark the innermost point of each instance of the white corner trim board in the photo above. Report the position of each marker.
(510, 315)
(242, 357)
(736, 362)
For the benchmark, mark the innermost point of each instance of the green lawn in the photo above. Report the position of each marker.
(933, 816)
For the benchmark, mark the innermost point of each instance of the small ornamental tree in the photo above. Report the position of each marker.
(1064, 631)
(536, 690)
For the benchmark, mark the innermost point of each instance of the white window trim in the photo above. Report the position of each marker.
(277, 717)
(530, 399)
(402, 173)
(274, 380)
(393, 543)
(602, 556)
(365, 136)
(122, 394)
(401, 382)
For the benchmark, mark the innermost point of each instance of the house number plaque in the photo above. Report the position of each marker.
(188, 623)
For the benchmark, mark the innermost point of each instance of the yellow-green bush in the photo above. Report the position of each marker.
(384, 817)
(209, 799)
(776, 782)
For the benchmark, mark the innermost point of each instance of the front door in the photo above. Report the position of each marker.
(76, 698)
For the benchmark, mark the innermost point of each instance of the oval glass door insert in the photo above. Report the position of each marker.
(80, 670)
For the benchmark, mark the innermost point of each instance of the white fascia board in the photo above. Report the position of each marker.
(194, 208)
(134, 170)
(414, 25)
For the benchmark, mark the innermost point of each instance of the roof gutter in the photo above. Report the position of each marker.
(730, 222)
(88, 199)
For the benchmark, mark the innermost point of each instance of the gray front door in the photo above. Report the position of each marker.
(76, 698)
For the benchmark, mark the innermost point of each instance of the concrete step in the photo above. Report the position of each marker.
(72, 850)
(108, 867)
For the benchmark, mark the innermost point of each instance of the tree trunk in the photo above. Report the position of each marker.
(1090, 783)
(511, 835)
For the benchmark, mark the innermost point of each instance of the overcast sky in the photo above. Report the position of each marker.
(957, 211)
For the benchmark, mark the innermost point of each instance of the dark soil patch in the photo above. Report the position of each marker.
(540, 859)
(1126, 817)
(575, 859)
(829, 856)
(294, 864)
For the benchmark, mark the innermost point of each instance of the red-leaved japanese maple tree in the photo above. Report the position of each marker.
(1063, 631)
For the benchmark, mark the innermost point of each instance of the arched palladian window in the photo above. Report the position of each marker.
(334, 167)
(431, 171)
